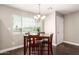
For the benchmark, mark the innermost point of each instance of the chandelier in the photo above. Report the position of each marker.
(39, 16)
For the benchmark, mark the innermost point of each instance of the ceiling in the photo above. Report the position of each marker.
(45, 8)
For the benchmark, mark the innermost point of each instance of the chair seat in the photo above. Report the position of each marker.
(44, 41)
(37, 42)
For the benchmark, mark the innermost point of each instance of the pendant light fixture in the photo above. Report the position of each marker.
(39, 16)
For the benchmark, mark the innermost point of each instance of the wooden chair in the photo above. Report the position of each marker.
(48, 45)
(34, 44)
(26, 42)
(27, 33)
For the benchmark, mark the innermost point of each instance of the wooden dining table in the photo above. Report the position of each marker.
(43, 36)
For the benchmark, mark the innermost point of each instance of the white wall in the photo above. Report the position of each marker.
(71, 24)
(49, 25)
(8, 39)
(0, 34)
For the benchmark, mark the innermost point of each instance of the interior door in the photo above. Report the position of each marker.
(59, 32)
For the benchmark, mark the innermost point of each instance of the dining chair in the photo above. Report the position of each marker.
(26, 42)
(34, 44)
(48, 44)
(28, 33)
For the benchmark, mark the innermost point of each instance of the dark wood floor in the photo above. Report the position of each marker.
(67, 49)
(14, 52)
(62, 49)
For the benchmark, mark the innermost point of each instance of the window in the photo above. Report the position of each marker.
(24, 24)
(28, 24)
(17, 23)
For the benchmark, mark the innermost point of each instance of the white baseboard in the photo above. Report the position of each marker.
(71, 43)
(54, 44)
(9, 49)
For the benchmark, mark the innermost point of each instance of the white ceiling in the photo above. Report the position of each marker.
(44, 8)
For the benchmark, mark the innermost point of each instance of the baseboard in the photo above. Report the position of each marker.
(9, 49)
(54, 44)
(76, 44)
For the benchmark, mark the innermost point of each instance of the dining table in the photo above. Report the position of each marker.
(42, 37)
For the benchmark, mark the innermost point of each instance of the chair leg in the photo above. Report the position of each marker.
(29, 50)
(25, 50)
(48, 49)
(38, 49)
(42, 46)
(51, 49)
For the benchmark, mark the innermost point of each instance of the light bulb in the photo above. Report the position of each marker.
(43, 17)
(35, 17)
(38, 16)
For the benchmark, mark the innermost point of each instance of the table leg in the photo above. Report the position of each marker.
(48, 45)
(24, 46)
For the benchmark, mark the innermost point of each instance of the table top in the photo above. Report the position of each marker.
(41, 36)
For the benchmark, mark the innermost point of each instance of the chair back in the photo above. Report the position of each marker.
(33, 39)
(27, 34)
(51, 38)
